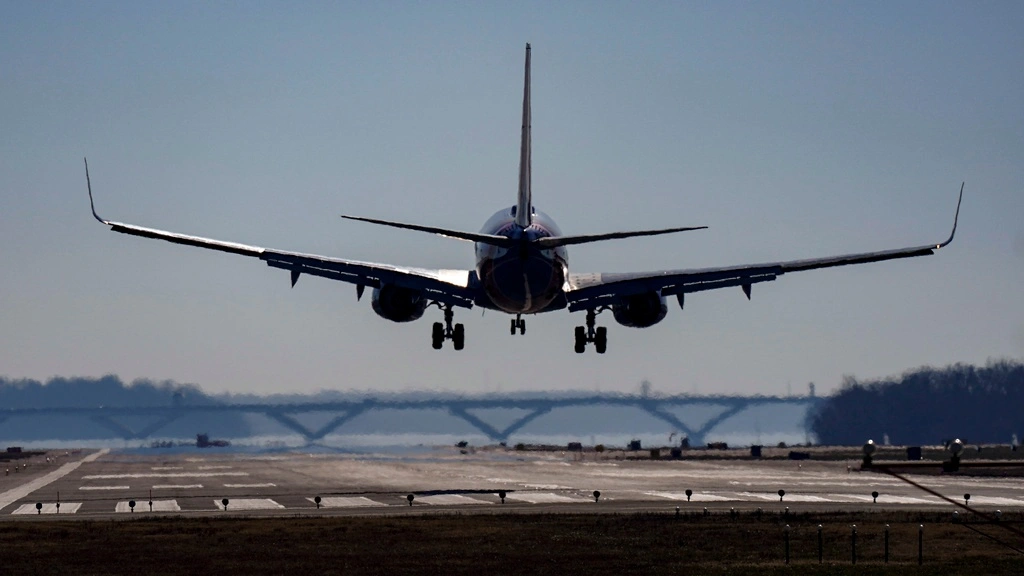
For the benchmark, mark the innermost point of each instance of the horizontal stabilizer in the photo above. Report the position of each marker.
(458, 234)
(555, 241)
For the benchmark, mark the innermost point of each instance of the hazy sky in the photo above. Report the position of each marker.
(792, 129)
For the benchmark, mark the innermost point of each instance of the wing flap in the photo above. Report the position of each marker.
(454, 287)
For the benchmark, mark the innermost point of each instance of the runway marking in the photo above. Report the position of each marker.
(541, 497)
(143, 506)
(995, 501)
(19, 492)
(347, 502)
(697, 496)
(250, 504)
(885, 499)
(263, 485)
(215, 467)
(547, 487)
(162, 475)
(158, 468)
(104, 487)
(65, 508)
(858, 498)
(835, 498)
(449, 500)
(789, 497)
(176, 486)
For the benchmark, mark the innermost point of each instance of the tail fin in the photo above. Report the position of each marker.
(524, 206)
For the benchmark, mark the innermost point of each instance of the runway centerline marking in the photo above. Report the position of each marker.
(542, 498)
(162, 475)
(104, 487)
(19, 492)
(143, 506)
(65, 508)
(347, 502)
(250, 504)
(263, 485)
(176, 486)
(695, 497)
(449, 500)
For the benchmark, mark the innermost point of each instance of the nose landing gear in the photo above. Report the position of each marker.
(589, 334)
(442, 332)
(518, 323)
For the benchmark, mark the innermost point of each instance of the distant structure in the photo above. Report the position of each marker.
(471, 410)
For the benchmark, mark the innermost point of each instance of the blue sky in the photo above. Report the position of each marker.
(792, 129)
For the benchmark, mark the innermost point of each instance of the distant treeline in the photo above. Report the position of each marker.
(107, 391)
(926, 406)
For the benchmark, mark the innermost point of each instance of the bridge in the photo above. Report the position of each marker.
(470, 410)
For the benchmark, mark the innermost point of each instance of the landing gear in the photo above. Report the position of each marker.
(442, 332)
(518, 323)
(591, 334)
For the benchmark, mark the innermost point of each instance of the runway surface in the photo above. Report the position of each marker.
(94, 484)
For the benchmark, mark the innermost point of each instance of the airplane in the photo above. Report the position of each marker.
(522, 268)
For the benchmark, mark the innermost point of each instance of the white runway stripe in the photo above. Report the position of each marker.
(143, 506)
(346, 502)
(176, 486)
(250, 504)
(104, 487)
(162, 475)
(65, 508)
(995, 501)
(542, 498)
(748, 496)
(696, 497)
(449, 500)
(263, 485)
(158, 468)
(15, 494)
(215, 467)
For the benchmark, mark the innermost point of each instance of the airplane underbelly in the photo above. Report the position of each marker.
(522, 285)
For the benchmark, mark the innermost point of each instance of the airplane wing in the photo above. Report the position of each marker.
(455, 287)
(590, 291)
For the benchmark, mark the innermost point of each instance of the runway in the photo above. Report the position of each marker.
(105, 483)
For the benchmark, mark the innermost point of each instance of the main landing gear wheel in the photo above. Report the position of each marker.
(459, 337)
(517, 323)
(437, 337)
(590, 334)
(442, 332)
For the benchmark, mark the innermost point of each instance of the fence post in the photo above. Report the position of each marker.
(853, 545)
(920, 544)
(786, 536)
(886, 543)
(819, 544)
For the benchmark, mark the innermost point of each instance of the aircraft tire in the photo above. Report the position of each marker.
(437, 336)
(459, 337)
(601, 340)
(581, 339)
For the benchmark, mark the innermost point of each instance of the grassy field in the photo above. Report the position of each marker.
(505, 544)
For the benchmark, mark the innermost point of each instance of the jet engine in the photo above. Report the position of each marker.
(641, 310)
(398, 304)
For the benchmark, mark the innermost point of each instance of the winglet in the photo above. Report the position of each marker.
(88, 185)
(955, 218)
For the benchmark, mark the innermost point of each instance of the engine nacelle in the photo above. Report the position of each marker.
(398, 304)
(641, 311)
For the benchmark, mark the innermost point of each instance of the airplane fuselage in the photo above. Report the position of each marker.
(524, 279)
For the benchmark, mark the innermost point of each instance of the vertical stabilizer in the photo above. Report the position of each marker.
(524, 206)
